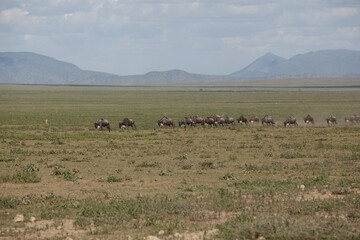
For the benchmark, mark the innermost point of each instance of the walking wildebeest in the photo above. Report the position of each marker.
(242, 120)
(219, 121)
(309, 119)
(254, 119)
(331, 120)
(209, 121)
(357, 118)
(352, 119)
(127, 123)
(215, 116)
(189, 121)
(102, 123)
(182, 123)
(197, 120)
(229, 120)
(267, 120)
(290, 121)
(165, 122)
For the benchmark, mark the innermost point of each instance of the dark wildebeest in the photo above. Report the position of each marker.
(229, 120)
(242, 120)
(215, 116)
(182, 123)
(267, 120)
(352, 119)
(357, 118)
(165, 122)
(331, 120)
(127, 123)
(309, 119)
(102, 123)
(197, 120)
(290, 121)
(254, 119)
(187, 121)
(220, 121)
(209, 121)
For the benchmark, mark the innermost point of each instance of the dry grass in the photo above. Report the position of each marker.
(247, 182)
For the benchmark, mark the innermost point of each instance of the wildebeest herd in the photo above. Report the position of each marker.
(217, 120)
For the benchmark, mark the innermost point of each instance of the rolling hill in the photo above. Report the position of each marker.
(32, 68)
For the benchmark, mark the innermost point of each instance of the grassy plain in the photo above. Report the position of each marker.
(234, 182)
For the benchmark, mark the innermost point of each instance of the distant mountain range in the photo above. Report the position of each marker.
(32, 68)
(319, 64)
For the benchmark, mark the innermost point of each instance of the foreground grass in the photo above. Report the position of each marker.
(247, 182)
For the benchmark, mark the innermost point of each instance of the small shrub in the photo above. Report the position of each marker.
(182, 156)
(251, 167)
(207, 164)
(3, 159)
(291, 155)
(69, 175)
(26, 177)
(8, 202)
(164, 173)
(57, 141)
(348, 157)
(205, 155)
(186, 166)
(229, 176)
(320, 180)
(340, 191)
(145, 164)
(30, 168)
(232, 157)
(18, 151)
(113, 178)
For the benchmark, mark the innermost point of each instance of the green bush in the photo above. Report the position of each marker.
(113, 178)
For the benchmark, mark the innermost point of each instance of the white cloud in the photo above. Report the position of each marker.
(344, 12)
(198, 36)
(14, 15)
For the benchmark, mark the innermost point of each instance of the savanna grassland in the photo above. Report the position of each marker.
(72, 181)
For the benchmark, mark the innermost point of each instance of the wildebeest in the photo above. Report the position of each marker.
(127, 123)
(267, 120)
(102, 123)
(290, 121)
(357, 118)
(187, 121)
(352, 119)
(219, 121)
(254, 119)
(215, 116)
(165, 122)
(208, 121)
(331, 120)
(242, 120)
(309, 119)
(229, 120)
(197, 120)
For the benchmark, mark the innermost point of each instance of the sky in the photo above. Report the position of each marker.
(129, 37)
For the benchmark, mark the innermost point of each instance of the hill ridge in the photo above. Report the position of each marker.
(33, 68)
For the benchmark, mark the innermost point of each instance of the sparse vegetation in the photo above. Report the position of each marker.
(246, 181)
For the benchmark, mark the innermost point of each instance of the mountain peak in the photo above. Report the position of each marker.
(322, 63)
(263, 64)
(270, 54)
